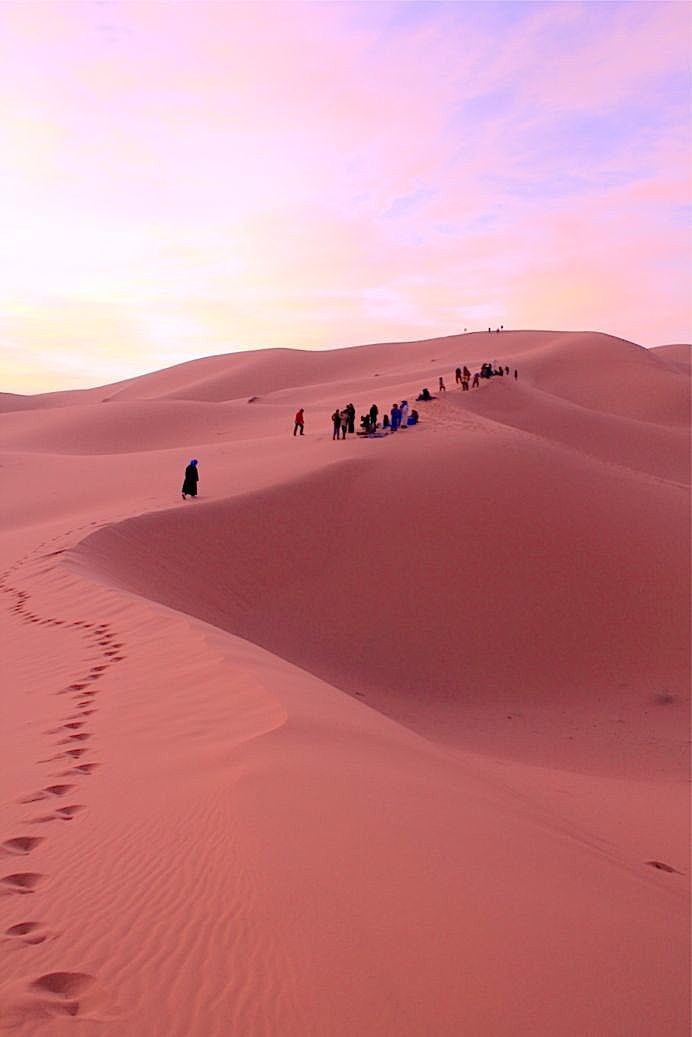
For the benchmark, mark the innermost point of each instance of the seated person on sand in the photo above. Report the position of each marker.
(385, 420)
(412, 418)
(425, 396)
(364, 429)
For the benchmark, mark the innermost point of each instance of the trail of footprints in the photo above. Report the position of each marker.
(73, 741)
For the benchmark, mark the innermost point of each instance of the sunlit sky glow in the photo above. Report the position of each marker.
(181, 179)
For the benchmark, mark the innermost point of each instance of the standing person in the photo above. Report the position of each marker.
(506, 369)
(466, 372)
(336, 424)
(403, 413)
(457, 376)
(344, 422)
(395, 416)
(442, 388)
(374, 411)
(351, 418)
(465, 384)
(475, 384)
(191, 479)
(299, 421)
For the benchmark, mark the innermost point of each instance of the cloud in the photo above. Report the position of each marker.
(202, 177)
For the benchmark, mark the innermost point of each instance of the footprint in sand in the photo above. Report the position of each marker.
(27, 934)
(21, 845)
(58, 790)
(56, 994)
(661, 866)
(20, 882)
(69, 812)
(79, 737)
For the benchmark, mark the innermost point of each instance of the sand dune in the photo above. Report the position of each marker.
(376, 737)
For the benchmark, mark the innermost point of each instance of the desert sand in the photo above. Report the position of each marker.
(377, 737)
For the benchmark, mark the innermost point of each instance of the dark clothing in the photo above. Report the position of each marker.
(351, 411)
(191, 480)
(457, 375)
(298, 427)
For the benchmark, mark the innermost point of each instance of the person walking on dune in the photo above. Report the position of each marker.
(443, 387)
(299, 423)
(191, 480)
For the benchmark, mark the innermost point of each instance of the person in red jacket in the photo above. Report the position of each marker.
(299, 424)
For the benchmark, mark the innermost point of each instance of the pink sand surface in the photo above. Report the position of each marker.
(377, 737)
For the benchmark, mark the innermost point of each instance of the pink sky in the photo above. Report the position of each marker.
(192, 178)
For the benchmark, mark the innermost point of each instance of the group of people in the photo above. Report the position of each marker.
(344, 420)
(462, 377)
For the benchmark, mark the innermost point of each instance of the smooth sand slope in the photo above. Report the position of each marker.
(375, 737)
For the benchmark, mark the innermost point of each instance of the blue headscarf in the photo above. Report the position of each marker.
(193, 461)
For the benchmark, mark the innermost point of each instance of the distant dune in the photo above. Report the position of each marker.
(384, 736)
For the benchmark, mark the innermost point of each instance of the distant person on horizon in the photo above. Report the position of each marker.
(299, 422)
(191, 480)
(516, 373)
(336, 423)
(457, 376)
(506, 369)
(443, 387)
